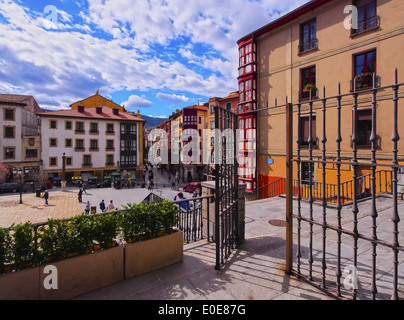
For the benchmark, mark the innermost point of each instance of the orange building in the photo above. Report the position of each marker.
(309, 49)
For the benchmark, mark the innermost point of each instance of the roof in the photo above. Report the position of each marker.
(309, 6)
(107, 114)
(21, 100)
(198, 107)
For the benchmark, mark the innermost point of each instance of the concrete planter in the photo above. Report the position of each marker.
(75, 276)
(145, 256)
(88, 272)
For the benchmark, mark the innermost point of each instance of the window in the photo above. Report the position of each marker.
(308, 35)
(31, 153)
(68, 143)
(79, 127)
(53, 162)
(228, 106)
(87, 160)
(79, 144)
(307, 174)
(93, 127)
(9, 132)
(305, 130)
(110, 128)
(53, 142)
(308, 82)
(93, 144)
(110, 159)
(68, 125)
(246, 58)
(128, 145)
(9, 114)
(128, 129)
(364, 128)
(9, 152)
(110, 145)
(212, 109)
(367, 18)
(53, 124)
(69, 161)
(200, 120)
(364, 69)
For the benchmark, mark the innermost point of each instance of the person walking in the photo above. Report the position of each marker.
(102, 206)
(88, 206)
(80, 195)
(110, 206)
(184, 205)
(46, 196)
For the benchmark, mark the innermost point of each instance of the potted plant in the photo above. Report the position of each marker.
(309, 87)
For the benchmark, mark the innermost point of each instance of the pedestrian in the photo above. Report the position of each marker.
(184, 205)
(149, 185)
(173, 185)
(102, 206)
(84, 188)
(80, 195)
(110, 206)
(46, 196)
(87, 208)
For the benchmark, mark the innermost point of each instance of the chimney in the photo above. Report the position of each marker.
(115, 111)
(99, 110)
(80, 108)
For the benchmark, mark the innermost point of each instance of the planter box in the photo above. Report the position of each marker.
(20, 285)
(81, 274)
(145, 256)
(85, 273)
(75, 276)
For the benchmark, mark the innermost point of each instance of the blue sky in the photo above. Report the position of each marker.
(149, 55)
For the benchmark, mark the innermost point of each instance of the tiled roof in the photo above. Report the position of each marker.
(14, 98)
(107, 114)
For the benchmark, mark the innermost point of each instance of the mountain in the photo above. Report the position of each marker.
(153, 121)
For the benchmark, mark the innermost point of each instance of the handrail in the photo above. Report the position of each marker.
(346, 188)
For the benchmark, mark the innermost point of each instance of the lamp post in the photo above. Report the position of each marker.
(63, 183)
(20, 172)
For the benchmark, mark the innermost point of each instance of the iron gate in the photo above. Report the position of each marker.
(226, 184)
(337, 247)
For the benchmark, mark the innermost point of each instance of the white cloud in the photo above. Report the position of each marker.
(135, 101)
(71, 62)
(172, 97)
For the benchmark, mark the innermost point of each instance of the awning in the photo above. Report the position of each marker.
(115, 174)
(57, 178)
(107, 177)
(93, 177)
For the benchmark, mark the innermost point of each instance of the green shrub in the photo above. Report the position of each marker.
(55, 243)
(23, 247)
(5, 249)
(105, 229)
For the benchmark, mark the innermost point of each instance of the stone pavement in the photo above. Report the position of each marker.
(60, 205)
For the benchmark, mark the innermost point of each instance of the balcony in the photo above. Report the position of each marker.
(366, 25)
(365, 81)
(308, 46)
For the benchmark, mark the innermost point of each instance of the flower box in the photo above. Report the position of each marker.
(145, 256)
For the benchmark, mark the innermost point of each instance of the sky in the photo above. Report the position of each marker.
(154, 56)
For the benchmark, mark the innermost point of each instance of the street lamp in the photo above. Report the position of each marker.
(19, 171)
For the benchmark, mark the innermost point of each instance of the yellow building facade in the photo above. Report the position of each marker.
(314, 53)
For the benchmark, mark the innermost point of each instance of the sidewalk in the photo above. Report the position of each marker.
(255, 270)
(61, 205)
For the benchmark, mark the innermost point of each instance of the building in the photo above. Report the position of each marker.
(229, 103)
(194, 122)
(98, 137)
(20, 137)
(309, 49)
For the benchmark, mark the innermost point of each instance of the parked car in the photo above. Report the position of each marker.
(10, 187)
(191, 187)
(104, 184)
